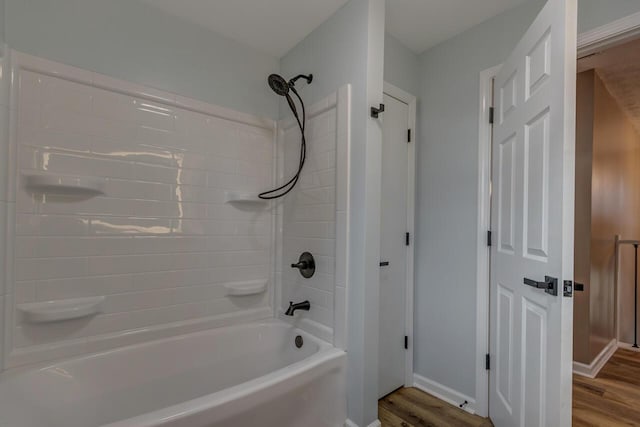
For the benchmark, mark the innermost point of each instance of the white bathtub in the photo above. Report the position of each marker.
(245, 375)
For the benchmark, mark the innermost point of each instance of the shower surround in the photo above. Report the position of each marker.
(131, 212)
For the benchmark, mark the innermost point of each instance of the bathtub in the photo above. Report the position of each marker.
(244, 375)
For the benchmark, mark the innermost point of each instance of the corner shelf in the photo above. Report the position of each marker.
(57, 311)
(64, 184)
(244, 198)
(252, 287)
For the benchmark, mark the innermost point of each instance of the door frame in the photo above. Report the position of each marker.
(589, 42)
(484, 251)
(411, 101)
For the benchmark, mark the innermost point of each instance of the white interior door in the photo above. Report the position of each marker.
(532, 219)
(393, 248)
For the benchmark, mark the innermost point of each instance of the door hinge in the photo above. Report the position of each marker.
(406, 342)
(408, 135)
(407, 238)
(487, 362)
(491, 114)
(489, 238)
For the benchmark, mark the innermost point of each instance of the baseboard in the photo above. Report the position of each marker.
(628, 346)
(444, 393)
(591, 370)
(350, 423)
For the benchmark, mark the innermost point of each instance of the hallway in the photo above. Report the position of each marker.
(613, 398)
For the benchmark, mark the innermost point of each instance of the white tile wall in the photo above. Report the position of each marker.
(6, 202)
(161, 242)
(313, 217)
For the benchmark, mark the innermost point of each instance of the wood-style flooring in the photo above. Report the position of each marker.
(409, 407)
(612, 398)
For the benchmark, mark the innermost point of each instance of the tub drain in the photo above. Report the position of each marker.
(299, 341)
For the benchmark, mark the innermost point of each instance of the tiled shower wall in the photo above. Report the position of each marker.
(161, 242)
(314, 217)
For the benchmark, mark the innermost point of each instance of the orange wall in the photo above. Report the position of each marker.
(582, 252)
(607, 204)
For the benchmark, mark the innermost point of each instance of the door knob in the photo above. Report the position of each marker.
(550, 285)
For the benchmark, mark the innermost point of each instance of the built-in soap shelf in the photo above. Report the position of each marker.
(60, 310)
(64, 184)
(252, 287)
(244, 198)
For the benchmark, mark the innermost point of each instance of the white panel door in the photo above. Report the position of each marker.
(532, 221)
(393, 248)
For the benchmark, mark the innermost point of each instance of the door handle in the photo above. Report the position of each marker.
(384, 263)
(550, 285)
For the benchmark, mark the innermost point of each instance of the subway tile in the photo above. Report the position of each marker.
(79, 287)
(169, 244)
(110, 83)
(51, 225)
(127, 151)
(127, 189)
(171, 279)
(63, 94)
(161, 242)
(161, 298)
(107, 225)
(50, 268)
(40, 143)
(49, 247)
(24, 292)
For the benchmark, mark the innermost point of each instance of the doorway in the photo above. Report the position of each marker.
(589, 43)
(607, 226)
(396, 240)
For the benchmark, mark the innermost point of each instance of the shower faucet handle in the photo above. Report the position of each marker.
(306, 264)
(300, 265)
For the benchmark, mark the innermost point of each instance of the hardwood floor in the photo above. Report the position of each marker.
(612, 398)
(409, 407)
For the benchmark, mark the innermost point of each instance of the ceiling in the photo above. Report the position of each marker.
(619, 69)
(270, 26)
(422, 24)
(276, 26)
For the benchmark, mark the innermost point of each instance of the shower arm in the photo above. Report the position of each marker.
(308, 78)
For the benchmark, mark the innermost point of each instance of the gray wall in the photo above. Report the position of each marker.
(594, 13)
(349, 48)
(2, 5)
(335, 53)
(132, 41)
(401, 65)
(447, 186)
(445, 298)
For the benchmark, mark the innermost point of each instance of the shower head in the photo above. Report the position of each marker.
(279, 85)
(283, 88)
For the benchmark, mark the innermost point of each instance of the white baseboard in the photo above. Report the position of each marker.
(628, 346)
(350, 423)
(591, 370)
(444, 393)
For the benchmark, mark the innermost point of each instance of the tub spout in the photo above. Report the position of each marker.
(305, 305)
